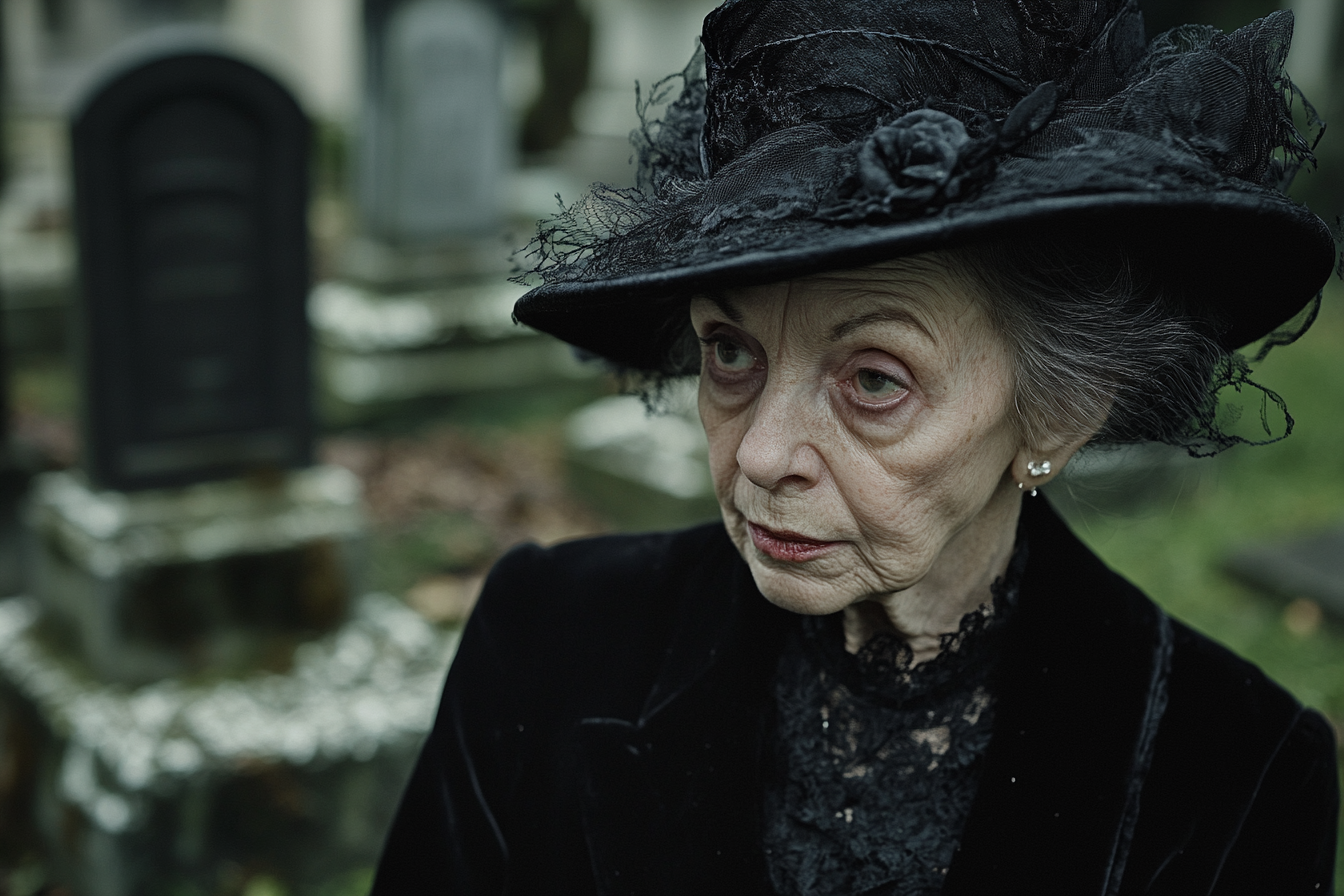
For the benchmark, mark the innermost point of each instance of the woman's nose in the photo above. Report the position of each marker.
(776, 450)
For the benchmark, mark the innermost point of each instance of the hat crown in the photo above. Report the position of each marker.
(847, 66)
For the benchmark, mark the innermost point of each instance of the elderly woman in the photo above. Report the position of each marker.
(919, 254)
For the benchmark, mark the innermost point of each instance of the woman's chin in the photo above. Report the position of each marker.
(799, 593)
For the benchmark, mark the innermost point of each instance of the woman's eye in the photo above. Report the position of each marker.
(873, 385)
(731, 356)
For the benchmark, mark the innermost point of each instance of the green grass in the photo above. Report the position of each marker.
(1176, 554)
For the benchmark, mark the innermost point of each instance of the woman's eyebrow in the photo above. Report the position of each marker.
(720, 300)
(882, 315)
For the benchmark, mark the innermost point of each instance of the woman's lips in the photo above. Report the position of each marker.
(788, 546)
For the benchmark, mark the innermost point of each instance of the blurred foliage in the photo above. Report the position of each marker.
(1161, 15)
(330, 160)
(45, 386)
(435, 543)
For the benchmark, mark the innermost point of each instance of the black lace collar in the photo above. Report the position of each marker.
(882, 669)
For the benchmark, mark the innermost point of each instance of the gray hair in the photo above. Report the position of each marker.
(1103, 353)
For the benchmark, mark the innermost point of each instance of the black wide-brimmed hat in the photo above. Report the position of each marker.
(817, 135)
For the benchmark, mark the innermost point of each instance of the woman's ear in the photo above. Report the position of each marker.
(1034, 467)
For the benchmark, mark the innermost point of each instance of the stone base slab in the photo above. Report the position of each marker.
(169, 785)
(214, 577)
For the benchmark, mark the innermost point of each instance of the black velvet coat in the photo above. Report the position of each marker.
(603, 730)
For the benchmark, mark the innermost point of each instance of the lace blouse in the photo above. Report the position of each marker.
(876, 762)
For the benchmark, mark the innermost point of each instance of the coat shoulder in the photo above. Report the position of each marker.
(1204, 671)
(609, 576)
(1243, 793)
(587, 624)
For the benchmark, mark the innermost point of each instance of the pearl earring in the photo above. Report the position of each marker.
(1038, 469)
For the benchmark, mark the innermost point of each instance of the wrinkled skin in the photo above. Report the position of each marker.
(868, 410)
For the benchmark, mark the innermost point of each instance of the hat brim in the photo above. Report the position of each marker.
(1249, 259)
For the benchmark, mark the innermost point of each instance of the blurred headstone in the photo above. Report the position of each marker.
(208, 688)
(435, 148)
(423, 306)
(191, 200)
(643, 470)
(52, 47)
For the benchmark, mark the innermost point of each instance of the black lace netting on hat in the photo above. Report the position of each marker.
(814, 131)
(1199, 107)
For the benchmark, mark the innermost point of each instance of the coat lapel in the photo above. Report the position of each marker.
(1082, 690)
(672, 798)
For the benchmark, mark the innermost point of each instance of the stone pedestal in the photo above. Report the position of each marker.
(379, 345)
(178, 785)
(216, 576)
(642, 471)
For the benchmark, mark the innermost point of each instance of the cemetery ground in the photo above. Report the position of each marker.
(451, 484)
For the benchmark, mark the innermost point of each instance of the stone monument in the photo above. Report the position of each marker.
(190, 177)
(208, 687)
(435, 147)
(422, 306)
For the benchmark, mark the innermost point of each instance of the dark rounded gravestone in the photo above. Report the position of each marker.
(191, 192)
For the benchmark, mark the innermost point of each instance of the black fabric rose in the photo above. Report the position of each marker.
(927, 158)
(914, 159)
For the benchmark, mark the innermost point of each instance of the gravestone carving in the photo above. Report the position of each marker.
(191, 181)
(435, 148)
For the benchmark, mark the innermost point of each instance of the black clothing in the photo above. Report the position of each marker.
(877, 762)
(606, 727)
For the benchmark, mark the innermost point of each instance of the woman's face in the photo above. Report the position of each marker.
(859, 429)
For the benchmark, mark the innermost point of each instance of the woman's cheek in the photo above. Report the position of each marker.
(724, 434)
(879, 427)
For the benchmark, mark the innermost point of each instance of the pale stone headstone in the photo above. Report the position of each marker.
(190, 177)
(435, 150)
